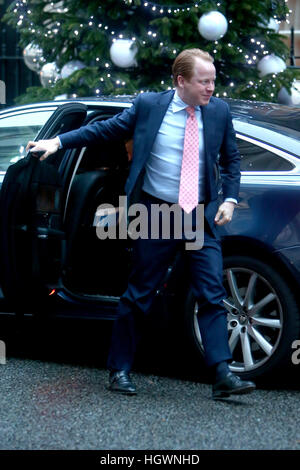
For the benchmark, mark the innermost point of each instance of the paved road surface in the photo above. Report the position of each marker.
(54, 395)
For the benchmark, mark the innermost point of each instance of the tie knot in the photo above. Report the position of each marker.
(190, 110)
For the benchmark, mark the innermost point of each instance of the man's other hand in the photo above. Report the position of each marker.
(225, 212)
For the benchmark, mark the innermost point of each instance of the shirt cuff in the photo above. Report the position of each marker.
(231, 199)
(60, 144)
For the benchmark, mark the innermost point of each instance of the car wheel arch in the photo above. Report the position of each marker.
(246, 246)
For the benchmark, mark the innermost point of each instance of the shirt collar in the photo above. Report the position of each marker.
(179, 105)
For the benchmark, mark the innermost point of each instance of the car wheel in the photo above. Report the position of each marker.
(263, 317)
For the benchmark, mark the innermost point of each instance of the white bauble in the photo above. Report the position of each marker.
(32, 55)
(52, 7)
(49, 74)
(71, 67)
(284, 97)
(273, 25)
(212, 25)
(295, 92)
(270, 64)
(64, 96)
(292, 98)
(123, 52)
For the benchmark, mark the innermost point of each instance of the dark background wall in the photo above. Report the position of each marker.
(285, 29)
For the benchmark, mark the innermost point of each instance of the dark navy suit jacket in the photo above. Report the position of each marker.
(142, 122)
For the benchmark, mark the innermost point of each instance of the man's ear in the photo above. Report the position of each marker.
(180, 81)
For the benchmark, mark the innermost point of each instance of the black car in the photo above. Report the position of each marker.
(49, 236)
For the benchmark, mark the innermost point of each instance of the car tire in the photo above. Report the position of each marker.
(263, 318)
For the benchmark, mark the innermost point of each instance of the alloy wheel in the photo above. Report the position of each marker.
(254, 319)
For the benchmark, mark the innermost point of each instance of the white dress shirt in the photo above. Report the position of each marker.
(163, 168)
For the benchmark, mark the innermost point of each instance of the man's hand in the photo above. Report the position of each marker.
(225, 212)
(48, 146)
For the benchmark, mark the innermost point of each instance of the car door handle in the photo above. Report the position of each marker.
(46, 232)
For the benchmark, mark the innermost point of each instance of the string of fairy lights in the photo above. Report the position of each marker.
(152, 39)
(159, 9)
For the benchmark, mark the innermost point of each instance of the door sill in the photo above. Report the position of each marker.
(83, 297)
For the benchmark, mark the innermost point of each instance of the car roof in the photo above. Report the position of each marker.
(287, 117)
(114, 101)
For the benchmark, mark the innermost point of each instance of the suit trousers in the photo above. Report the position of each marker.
(151, 259)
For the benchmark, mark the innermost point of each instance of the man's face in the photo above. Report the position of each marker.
(200, 87)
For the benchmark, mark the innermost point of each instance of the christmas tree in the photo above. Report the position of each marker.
(103, 47)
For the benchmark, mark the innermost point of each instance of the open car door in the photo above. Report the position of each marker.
(32, 238)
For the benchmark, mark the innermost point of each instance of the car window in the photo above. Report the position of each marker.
(15, 132)
(256, 158)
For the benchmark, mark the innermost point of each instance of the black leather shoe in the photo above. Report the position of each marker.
(231, 385)
(119, 381)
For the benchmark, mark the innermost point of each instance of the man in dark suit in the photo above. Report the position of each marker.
(178, 137)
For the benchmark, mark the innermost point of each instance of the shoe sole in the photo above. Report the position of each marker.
(121, 392)
(239, 391)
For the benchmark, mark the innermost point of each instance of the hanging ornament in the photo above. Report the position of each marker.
(123, 52)
(270, 64)
(292, 98)
(273, 24)
(71, 67)
(49, 74)
(64, 96)
(212, 25)
(33, 55)
(284, 97)
(57, 7)
(295, 92)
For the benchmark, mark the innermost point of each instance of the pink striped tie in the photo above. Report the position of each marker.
(189, 178)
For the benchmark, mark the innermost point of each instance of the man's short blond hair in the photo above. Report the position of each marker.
(185, 61)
